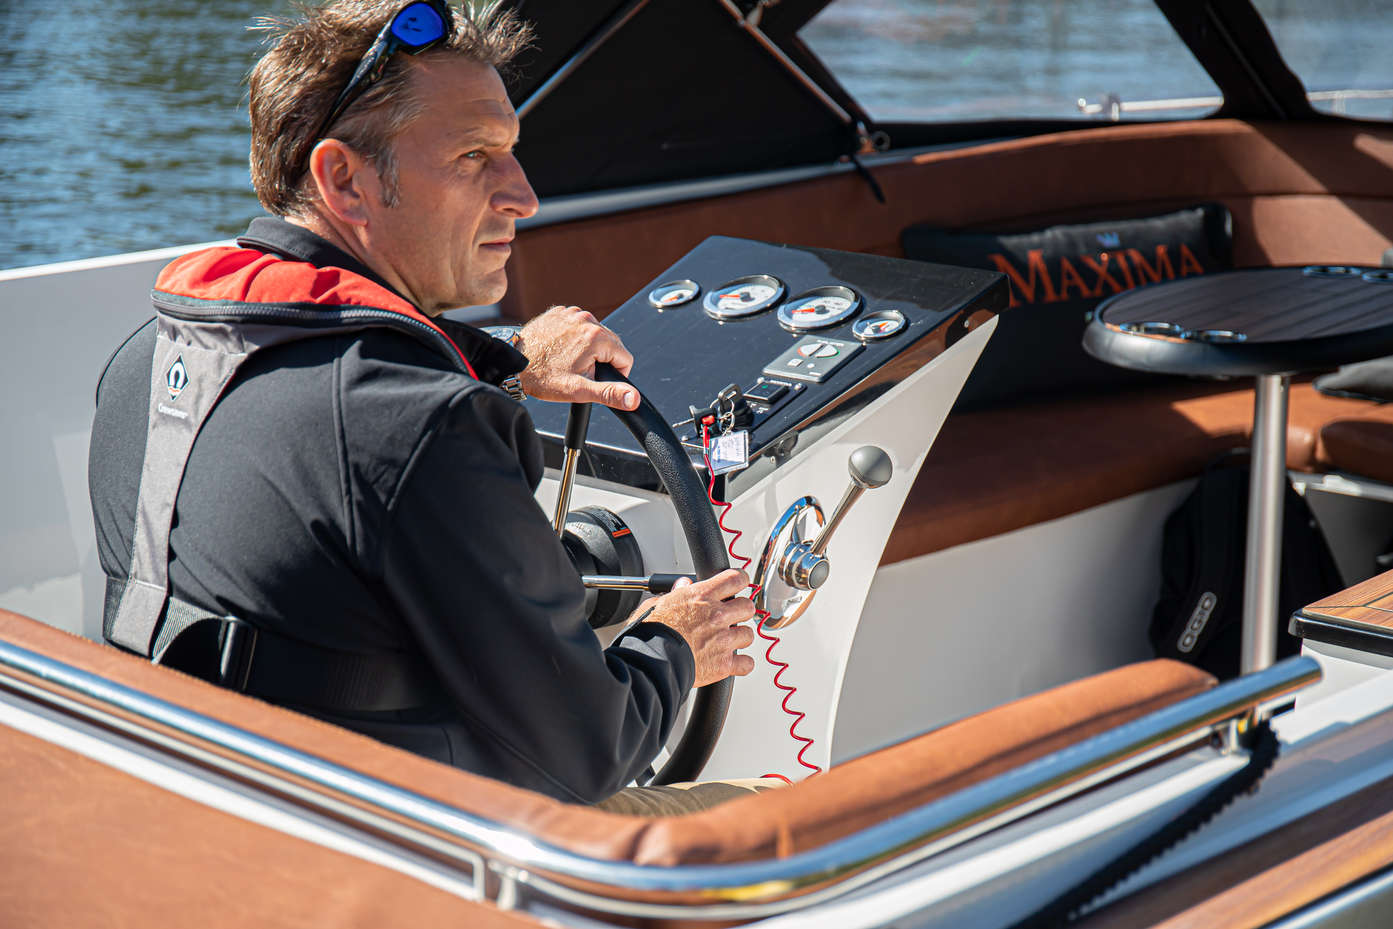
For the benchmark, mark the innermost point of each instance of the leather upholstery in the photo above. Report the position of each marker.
(1362, 446)
(85, 844)
(1298, 192)
(848, 797)
(999, 470)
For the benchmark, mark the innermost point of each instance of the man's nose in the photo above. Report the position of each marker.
(515, 195)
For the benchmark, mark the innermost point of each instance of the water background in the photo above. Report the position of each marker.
(123, 125)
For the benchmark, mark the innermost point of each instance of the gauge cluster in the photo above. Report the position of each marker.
(807, 334)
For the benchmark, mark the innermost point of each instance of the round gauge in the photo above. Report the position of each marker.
(819, 308)
(879, 325)
(744, 296)
(673, 293)
(510, 334)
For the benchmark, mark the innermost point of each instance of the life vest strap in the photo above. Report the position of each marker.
(279, 669)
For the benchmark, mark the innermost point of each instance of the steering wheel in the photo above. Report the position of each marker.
(706, 545)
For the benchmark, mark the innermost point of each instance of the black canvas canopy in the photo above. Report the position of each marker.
(675, 89)
(619, 93)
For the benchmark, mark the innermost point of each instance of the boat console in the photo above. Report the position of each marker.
(817, 375)
(808, 336)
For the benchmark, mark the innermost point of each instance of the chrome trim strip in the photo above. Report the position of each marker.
(745, 889)
(607, 31)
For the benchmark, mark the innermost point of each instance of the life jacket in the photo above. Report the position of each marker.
(215, 309)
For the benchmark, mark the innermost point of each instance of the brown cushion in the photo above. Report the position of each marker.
(1361, 446)
(808, 814)
(996, 471)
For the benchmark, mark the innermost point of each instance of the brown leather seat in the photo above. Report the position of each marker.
(815, 811)
(1362, 446)
(995, 471)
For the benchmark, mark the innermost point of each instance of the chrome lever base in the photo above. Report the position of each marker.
(780, 560)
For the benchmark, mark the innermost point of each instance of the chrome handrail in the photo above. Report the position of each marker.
(723, 891)
(1112, 107)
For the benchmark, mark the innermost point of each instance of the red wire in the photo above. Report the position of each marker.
(779, 666)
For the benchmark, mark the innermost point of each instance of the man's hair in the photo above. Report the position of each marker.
(309, 62)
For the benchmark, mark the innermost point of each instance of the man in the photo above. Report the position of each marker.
(308, 486)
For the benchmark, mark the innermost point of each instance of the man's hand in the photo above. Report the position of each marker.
(707, 614)
(562, 346)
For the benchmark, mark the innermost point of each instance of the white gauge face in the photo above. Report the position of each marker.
(744, 296)
(741, 298)
(819, 308)
(673, 293)
(880, 325)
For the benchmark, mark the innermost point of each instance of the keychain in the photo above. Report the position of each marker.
(728, 448)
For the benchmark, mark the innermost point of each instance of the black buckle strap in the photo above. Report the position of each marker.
(282, 670)
(236, 652)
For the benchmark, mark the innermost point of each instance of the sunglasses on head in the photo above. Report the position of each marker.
(416, 27)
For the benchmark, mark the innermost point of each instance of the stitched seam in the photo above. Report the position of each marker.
(97, 394)
(341, 440)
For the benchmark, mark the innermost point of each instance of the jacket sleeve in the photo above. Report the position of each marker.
(491, 596)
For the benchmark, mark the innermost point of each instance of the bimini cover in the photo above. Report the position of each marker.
(681, 89)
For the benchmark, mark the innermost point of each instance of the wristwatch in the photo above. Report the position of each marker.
(513, 385)
(512, 335)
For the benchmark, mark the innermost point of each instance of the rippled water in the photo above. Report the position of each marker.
(123, 126)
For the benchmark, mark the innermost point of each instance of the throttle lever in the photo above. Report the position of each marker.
(870, 468)
(803, 565)
(577, 425)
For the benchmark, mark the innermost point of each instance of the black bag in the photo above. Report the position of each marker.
(1199, 616)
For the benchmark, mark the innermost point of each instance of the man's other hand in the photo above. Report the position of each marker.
(562, 346)
(708, 615)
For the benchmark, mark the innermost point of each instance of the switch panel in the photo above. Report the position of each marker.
(812, 359)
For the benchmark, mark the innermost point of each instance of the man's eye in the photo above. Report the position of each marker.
(474, 155)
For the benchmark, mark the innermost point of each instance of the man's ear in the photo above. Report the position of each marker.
(345, 180)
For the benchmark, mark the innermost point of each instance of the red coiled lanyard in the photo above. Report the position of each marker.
(762, 616)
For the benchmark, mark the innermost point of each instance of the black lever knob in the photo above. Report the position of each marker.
(577, 425)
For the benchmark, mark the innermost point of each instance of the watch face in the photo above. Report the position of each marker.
(510, 334)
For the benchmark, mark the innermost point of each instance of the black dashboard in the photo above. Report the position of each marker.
(808, 335)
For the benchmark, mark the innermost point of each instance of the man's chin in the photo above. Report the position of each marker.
(485, 293)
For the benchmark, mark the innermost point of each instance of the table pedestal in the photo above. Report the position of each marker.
(1267, 484)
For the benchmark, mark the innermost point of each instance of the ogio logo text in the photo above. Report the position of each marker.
(1198, 620)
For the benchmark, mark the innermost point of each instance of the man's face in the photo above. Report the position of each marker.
(460, 190)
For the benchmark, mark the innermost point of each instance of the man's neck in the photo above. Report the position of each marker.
(330, 231)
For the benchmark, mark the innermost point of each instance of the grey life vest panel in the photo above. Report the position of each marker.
(199, 347)
(193, 364)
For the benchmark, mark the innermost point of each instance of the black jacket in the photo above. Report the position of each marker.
(358, 492)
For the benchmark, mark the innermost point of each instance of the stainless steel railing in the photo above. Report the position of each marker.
(1112, 107)
(744, 890)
